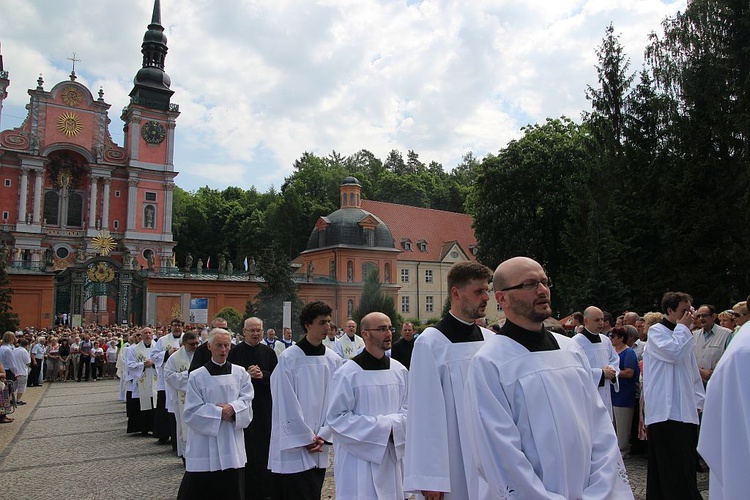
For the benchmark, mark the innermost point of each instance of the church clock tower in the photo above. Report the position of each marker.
(149, 141)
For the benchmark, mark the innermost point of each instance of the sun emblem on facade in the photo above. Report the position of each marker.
(71, 96)
(101, 272)
(69, 124)
(103, 243)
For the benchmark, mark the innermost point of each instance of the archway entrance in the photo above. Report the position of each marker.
(100, 291)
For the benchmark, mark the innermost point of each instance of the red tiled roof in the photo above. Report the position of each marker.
(436, 227)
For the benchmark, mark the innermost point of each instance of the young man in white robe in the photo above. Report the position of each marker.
(300, 389)
(367, 413)
(537, 427)
(725, 435)
(167, 345)
(604, 361)
(176, 378)
(142, 373)
(437, 460)
(673, 394)
(218, 407)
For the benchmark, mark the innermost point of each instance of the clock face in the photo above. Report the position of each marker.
(153, 132)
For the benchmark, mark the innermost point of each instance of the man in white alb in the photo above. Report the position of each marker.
(536, 425)
(176, 377)
(142, 375)
(218, 407)
(367, 413)
(350, 342)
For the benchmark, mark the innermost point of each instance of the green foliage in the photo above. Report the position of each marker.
(373, 299)
(8, 319)
(278, 287)
(233, 317)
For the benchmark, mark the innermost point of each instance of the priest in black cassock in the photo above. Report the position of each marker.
(259, 360)
(402, 348)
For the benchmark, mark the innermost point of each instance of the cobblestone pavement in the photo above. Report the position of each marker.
(69, 441)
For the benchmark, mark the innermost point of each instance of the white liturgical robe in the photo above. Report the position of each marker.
(436, 457)
(537, 426)
(144, 379)
(157, 356)
(601, 354)
(214, 444)
(300, 387)
(351, 347)
(367, 413)
(176, 378)
(725, 431)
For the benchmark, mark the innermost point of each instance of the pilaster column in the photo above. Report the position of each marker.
(24, 194)
(38, 183)
(168, 192)
(105, 203)
(93, 181)
(132, 202)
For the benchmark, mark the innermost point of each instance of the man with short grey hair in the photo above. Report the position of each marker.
(711, 340)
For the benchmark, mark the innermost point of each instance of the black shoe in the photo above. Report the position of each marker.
(163, 440)
(20, 402)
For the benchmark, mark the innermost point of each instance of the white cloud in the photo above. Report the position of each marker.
(260, 82)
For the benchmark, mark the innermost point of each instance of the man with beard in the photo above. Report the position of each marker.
(259, 361)
(535, 422)
(143, 375)
(367, 413)
(404, 346)
(437, 461)
(176, 378)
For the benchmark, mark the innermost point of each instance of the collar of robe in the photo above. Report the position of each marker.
(458, 331)
(534, 341)
(309, 349)
(367, 361)
(668, 324)
(594, 338)
(214, 369)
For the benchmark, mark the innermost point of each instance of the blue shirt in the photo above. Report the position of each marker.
(626, 397)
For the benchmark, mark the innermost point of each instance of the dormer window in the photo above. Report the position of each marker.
(422, 245)
(473, 249)
(406, 244)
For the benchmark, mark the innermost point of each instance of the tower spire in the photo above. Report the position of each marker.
(151, 83)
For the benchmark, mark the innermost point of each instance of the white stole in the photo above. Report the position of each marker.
(147, 381)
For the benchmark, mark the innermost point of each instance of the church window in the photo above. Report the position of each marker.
(429, 304)
(370, 237)
(51, 207)
(149, 217)
(422, 245)
(321, 238)
(117, 193)
(404, 304)
(7, 182)
(367, 269)
(116, 224)
(404, 276)
(150, 196)
(62, 252)
(343, 200)
(428, 275)
(406, 243)
(351, 199)
(6, 215)
(75, 210)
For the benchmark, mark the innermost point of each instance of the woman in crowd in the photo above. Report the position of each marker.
(5, 403)
(111, 355)
(53, 360)
(64, 359)
(97, 361)
(623, 402)
(727, 319)
(75, 357)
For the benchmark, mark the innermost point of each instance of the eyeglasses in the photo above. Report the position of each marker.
(529, 285)
(702, 315)
(193, 344)
(381, 329)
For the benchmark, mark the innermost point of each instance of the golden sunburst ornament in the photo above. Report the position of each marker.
(69, 124)
(103, 242)
(71, 96)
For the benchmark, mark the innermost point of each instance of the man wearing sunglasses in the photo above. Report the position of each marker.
(711, 340)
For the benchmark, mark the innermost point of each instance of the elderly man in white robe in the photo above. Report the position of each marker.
(176, 371)
(604, 361)
(724, 441)
(300, 390)
(367, 413)
(537, 427)
(142, 374)
(218, 407)
(437, 460)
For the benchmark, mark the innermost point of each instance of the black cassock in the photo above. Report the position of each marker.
(258, 479)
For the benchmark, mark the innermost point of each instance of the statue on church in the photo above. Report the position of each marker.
(49, 257)
(349, 273)
(150, 261)
(149, 217)
(310, 269)
(188, 262)
(80, 255)
(127, 259)
(230, 267)
(222, 264)
(251, 266)
(387, 274)
(199, 266)
(4, 254)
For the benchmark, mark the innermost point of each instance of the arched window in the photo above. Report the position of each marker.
(75, 210)
(149, 217)
(51, 207)
(351, 199)
(343, 200)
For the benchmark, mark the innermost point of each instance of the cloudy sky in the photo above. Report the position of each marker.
(261, 81)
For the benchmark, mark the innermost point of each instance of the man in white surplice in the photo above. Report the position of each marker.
(367, 413)
(176, 377)
(604, 361)
(437, 461)
(218, 407)
(536, 427)
(725, 436)
(300, 389)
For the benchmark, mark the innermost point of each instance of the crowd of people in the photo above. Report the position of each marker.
(524, 408)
